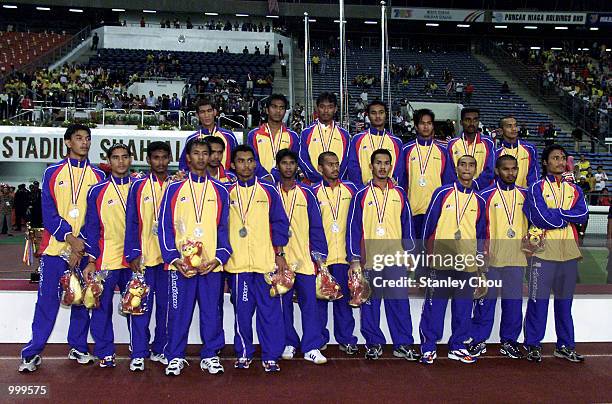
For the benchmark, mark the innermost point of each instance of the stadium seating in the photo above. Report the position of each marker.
(465, 68)
(20, 48)
(193, 65)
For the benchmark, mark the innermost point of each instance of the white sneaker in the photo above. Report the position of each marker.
(30, 365)
(315, 356)
(82, 358)
(289, 352)
(158, 357)
(175, 366)
(137, 365)
(212, 365)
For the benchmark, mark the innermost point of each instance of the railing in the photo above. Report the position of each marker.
(233, 121)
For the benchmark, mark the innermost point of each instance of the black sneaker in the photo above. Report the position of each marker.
(534, 354)
(349, 349)
(511, 350)
(407, 352)
(373, 352)
(568, 353)
(478, 349)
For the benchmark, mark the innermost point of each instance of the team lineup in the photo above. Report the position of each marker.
(310, 218)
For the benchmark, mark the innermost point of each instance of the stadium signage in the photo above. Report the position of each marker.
(522, 17)
(596, 19)
(437, 14)
(46, 145)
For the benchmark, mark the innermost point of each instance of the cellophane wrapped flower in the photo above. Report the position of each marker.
(280, 281)
(359, 287)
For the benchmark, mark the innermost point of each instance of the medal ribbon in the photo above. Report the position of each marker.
(198, 206)
(211, 133)
(334, 211)
(293, 199)
(423, 167)
(509, 213)
(465, 147)
(273, 144)
(380, 213)
(74, 193)
(243, 214)
(121, 198)
(156, 207)
(515, 155)
(382, 140)
(558, 203)
(459, 216)
(331, 136)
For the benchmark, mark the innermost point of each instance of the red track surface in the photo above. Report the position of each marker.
(341, 380)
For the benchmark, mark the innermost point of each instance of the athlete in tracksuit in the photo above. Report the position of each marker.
(194, 212)
(258, 231)
(380, 222)
(323, 135)
(306, 251)
(365, 143)
(454, 227)
(271, 137)
(524, 152)
(64, 202)
(556, 206)
(506, 225)
(105, 239)
(334, 198)
(141, 248)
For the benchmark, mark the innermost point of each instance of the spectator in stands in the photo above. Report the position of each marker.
(541, 129)
(177, 24)
(324, 62)
(550, 134)
(22, 201)
(459, 91)
(359, 105)
(523, 132)
(279, 46)
(268, 27)
(469, 91)
(162, 24)
(188, 23)
(283, 65)
(592, 196)
(601, 179)
(94, 41)
(505, 88)
(267, 48)
(577, 136)
(6, 209)
(226, 50)
(364, 97)
(167, 22)
(142, 22)
(257, 51)
(151, 102)
(604, 198)
(245, 51)
(219, 50)
(583, 165)
(315, 64)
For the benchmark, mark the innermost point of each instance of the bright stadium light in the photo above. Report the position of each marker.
(43, 8)
(561, 28)
(149, 11)
(242, 15)
(370, 22)
(432, 24)
(338, 21)
(272, 16)
(608, 50)
(556, 48)
(535, 48)
(213, 14)
(530, 27)
(463, 25)
(312, 20)
(594, 28)
(8, 6)
(500, 26)
(75, 10)
(119, 9)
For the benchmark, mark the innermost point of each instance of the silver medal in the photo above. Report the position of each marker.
(511, 233)
(74, 212)
(458, 235)
(335, 228)
(197, 232)
(380, 231)
(422, 181)
(242, 232)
